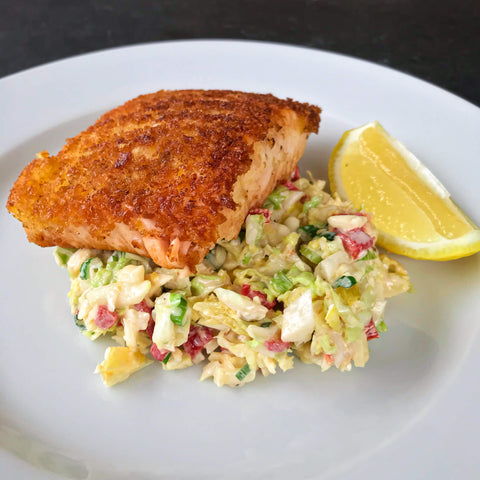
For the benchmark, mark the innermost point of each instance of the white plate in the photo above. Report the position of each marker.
(410, 413)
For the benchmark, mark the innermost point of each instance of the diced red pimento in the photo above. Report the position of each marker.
(295, 174)
(105, 318)
(158, 354)
(276, 346)
(261, 211)
(371, 330)
(355, 241)
(150, 327)
(143, 307)
(248, 292)
(291, 186)
(198, 337)
(328, 358)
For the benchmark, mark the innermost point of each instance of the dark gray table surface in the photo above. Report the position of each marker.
(436, 40)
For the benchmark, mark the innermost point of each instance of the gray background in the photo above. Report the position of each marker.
(436, 40)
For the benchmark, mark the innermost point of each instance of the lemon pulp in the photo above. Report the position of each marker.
(381, 177)
(411, 209)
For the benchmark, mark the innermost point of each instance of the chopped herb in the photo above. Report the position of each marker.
(308, 230)
(178, 307)
(167, 358)
(265, 324)
(84, 269)
(79, 323)
(243, 372)
(328, 235)
(281, 283)
(246, 259)
(346, 281)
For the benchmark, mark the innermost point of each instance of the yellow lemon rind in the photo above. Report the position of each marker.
(468, 244)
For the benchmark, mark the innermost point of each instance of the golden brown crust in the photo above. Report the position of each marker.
(164, 164)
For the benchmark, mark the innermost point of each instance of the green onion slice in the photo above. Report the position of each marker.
(346, 281)
(178, 307)
(84, 268)
(243, 372)
(310, 254)
(311, 203)
(370, 255)
(328, 235)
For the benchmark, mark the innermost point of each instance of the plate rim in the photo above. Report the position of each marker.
(56, 63)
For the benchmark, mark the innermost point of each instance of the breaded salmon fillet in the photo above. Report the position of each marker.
(165, 175)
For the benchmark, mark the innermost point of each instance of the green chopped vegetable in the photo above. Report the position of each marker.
(246, 259)
(381, 327)
(79, 323)
(62, 255)
(310, 254)
(311, 203)
(84, 269)
(275, 200)
(102, 277)
(178, 307)
(370, 255)
(328, 235)
(117, 261)
(346, 281)
(307, 232)
(204, 284)
(253, 343)
(265, 324)
(167, 358)
(243, 372)
(90, 267)
(280, 283)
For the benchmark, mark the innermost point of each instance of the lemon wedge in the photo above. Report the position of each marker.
(413, 212)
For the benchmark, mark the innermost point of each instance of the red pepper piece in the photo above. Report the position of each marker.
(291, 186)
(371, 331)
(355, 241)
(158, 354)
(105, 318)
(198, 337)
(276, 346)
(261, 211)
(248, 292)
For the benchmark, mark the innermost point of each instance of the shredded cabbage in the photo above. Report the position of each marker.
(287, 287)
